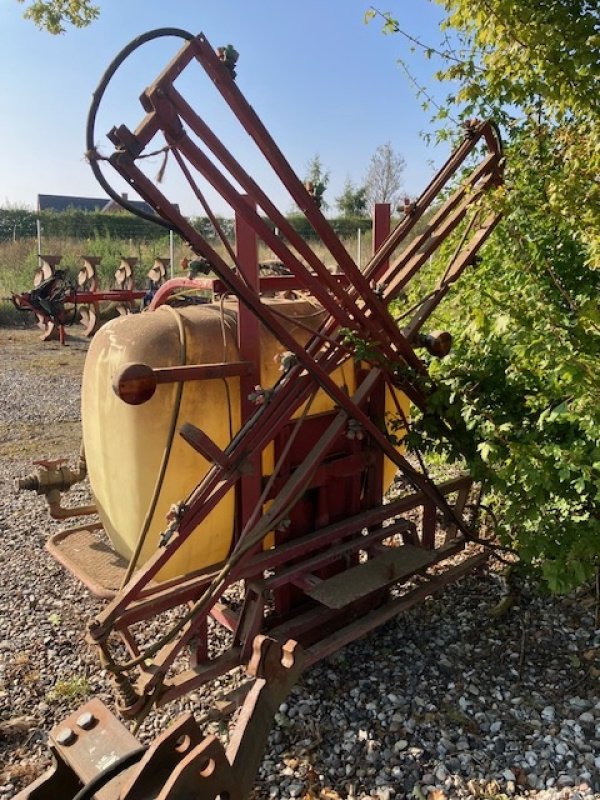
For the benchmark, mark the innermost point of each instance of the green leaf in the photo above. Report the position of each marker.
(484, 451)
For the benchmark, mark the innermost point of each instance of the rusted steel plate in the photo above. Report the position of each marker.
(395, 606)
(90, 740)
(87, 554)
(376, 573)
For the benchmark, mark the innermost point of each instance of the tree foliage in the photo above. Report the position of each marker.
(384, 176)
(317, 180)
(536, 67)
(52, 15)
(521, 383)
(353, 200)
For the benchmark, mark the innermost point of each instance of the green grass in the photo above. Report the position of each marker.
(10, 317)
(19, 261)
(69, 688)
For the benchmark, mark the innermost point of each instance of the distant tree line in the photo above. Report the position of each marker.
(16, 223)
(22, 224)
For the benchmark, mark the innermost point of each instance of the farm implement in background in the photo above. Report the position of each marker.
(57, 300)
(239, 466)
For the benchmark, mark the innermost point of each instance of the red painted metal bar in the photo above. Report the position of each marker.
(203, 372)
(201, 129)
(136, 383)
(114, 295)
(406, 268)
(187, 681)
(374, 488)
(256, 130)
(394, 607)
(464, 259)
(428, 526)
(89, 298)
(164, 599)
(248, 330)
(321, 285)
(486, 167)
(382, 219)
(375, 268)
(149, 127)
(267, 283)
(203, 444)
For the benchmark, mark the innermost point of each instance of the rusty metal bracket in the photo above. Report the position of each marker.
(181, 763)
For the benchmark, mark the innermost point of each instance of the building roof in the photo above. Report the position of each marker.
(59, 202)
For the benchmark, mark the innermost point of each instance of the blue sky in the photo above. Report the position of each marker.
(322, 81)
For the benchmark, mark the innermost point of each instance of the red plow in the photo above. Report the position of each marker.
(57, 301)
(318, 556)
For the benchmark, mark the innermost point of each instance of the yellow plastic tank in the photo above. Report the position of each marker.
(124, 444)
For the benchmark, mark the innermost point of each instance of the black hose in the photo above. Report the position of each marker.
(110, 772)
(96, 100)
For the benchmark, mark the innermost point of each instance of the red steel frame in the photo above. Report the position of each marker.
(323, 495)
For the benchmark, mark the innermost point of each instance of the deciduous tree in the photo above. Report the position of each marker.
(383, 180)
(353, 200)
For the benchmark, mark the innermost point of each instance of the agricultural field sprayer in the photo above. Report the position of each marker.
(239, 450)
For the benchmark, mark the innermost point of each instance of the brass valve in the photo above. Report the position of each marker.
(51, 479)
(51, 476)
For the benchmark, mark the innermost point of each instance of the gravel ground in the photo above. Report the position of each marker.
(446, 701)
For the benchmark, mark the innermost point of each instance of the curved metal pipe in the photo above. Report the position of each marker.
(167, 289)
(58, 512)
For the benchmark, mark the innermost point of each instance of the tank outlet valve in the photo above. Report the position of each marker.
(51, 476)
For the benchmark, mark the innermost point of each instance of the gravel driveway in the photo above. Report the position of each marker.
(446, 701)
